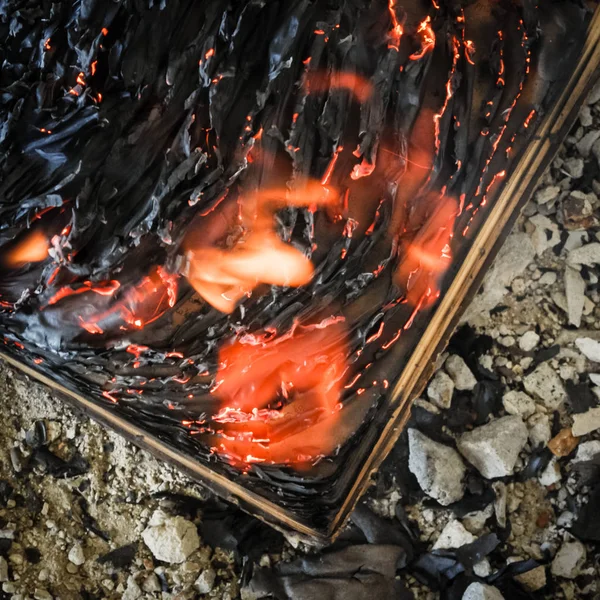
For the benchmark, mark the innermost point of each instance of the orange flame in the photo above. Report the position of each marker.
(281, 396)
(224, 276)
(397, 28)
(427, 39)
(428, 256)
(34, 248)
(321, 81)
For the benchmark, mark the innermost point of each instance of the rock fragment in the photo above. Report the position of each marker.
(586, 255)
(594, 96)
(439, 469)
(539, 429)
(151, 584)
(575, 292)
(76, 555)
(547, 194)
(584, 423)
(546, 234)
(3, 569)
(545, 385)
(480, 591)
(569, 559)
(585, 117)
(206, 581)
(534, 580)
(551, 474)
(461, 374)
(518, 403)
(171, 539)
(514, 257)
(440, 390)
(587, 451)
(529, 341)
(578, 211)
(574, 167)
(584, 145)
(563, 443)
(493, 449)
(454, 535)
(133, 590)
(589, 348)
(500, 502)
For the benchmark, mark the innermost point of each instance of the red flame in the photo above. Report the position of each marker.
(224, 276)
(281, 396)
(33, 248)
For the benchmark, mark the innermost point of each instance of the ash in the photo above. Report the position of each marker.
(84, 514)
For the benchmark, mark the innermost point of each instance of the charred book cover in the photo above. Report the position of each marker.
(230, 223)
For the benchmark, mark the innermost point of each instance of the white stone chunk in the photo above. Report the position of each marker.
(586, 255)
(518, 403)
(540, 432)
(584, 423)
(493, 449)
(547, 194)
(545, 385)
(440, 390)
(551, 474)
(529, 341)
(171, 539)
(480, 591)
(454, 535)
(587, 451)
(569, 559)
(461, 374)
(514, 257)
(589, 348)
(584, 145)
(575, 292)
(206, 581)
(76, 555)
(439, 469)
(546, 234)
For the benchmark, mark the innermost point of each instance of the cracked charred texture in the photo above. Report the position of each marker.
(132, 134)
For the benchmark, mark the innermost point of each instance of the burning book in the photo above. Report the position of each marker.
(240, 234)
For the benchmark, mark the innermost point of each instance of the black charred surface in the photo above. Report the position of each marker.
(123, 126)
